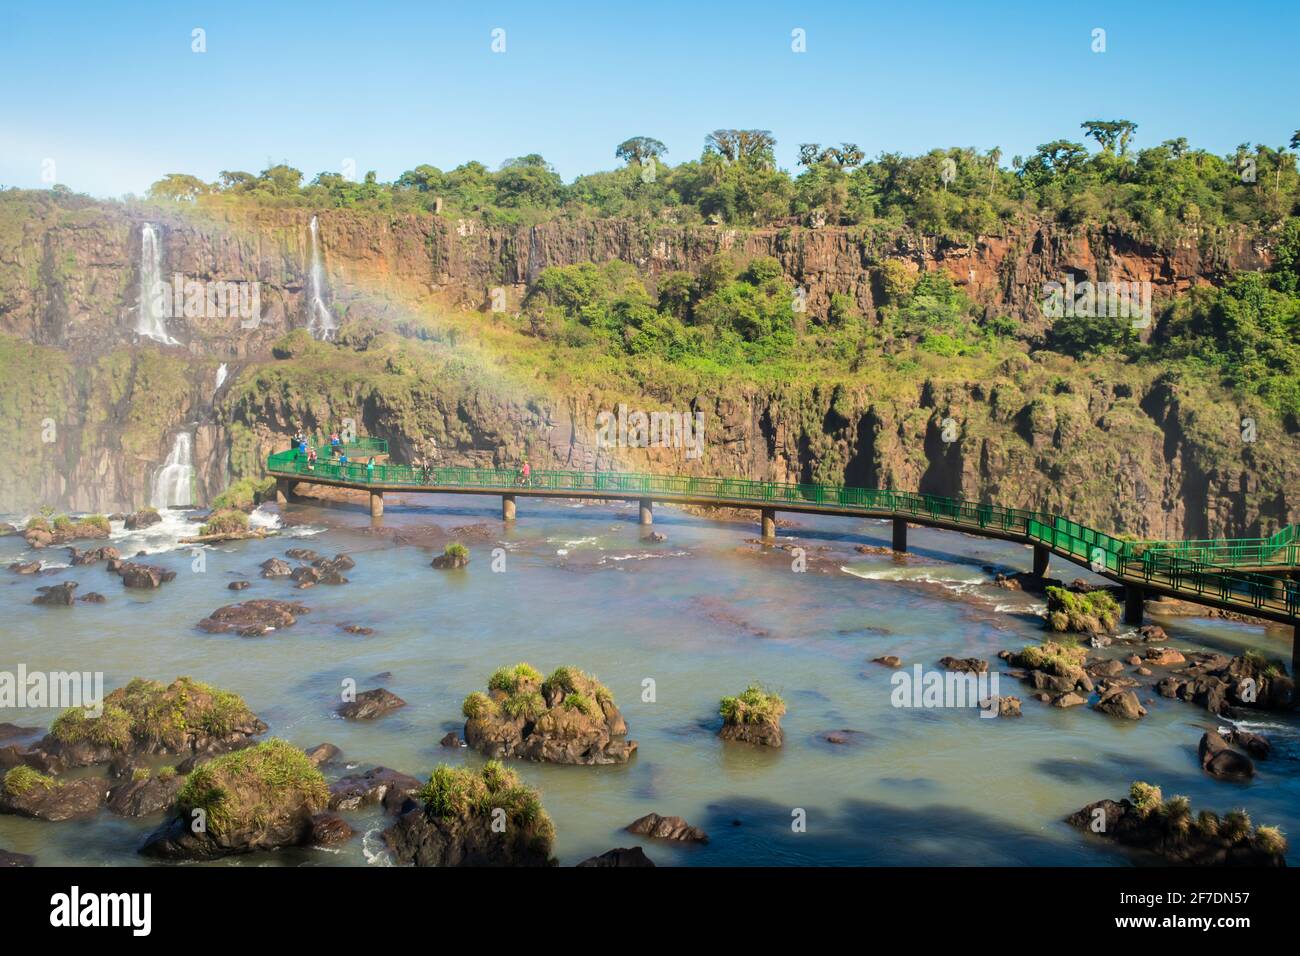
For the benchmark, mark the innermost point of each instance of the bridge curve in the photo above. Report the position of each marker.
(1252, 576)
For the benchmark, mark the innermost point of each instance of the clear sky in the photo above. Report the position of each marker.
(114, 96)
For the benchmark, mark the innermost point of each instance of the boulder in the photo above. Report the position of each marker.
(328, 829)
(1256, 745)
(1005, 706)
(753, 717)
(143, 576)
(469, 818)
(142, 519)
(1164, 657)
(92, 597)
(357, 629)
(275, 568)
(56, 595)
(302, 554)
(1152, 633)
(28, 793)
(144, 794)
(889, 660)
(237, 585)
(1123, 704)
(185, 718)
(93, 555)
(1168, 829)
(253, 618)
(968, 665)
(568, 718)
(377, 785)
(622, 856)
(370, 704)
(450, 739)
(1069, 699)
(1218, 759)
(260, 798)
(8, 858)
(323, 754)
(25, 567)
(667, 828)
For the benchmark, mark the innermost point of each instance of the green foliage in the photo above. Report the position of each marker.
(18, 780)
(581, 703)
(1094, 611)
(249, 786)
(112, 728)
(460, 793)
(229, 521)
(150, 712)
(755, 705)
(527, 704)
(456, 550)
(1053, 657)
(1145, 797)
(244, 494)
(479, 705)
(511, 679)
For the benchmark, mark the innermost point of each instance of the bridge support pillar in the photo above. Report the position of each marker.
(1042, 558)
(1134, 600)
(769, 524)
(507, 507)
(900, 535)
(376, 504)
(284, 490)
(647, 511)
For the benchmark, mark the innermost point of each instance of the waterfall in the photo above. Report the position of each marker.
(151, 319)
(171, 485)
(221, 377)
(319, 321)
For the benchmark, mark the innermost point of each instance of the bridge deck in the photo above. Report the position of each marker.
(1174, 569)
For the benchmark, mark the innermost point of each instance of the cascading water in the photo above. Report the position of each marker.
(319, 321)
(221, 377)
(150, 322)
(171, 485)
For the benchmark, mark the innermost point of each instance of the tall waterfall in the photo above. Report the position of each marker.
(150, 321)
(171, 484)
(319, 321)
(221, 377)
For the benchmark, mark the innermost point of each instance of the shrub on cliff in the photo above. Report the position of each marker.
(244, 494)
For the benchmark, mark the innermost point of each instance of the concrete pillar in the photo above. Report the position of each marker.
(376, 504)
(284, 490)
(769, 524)
(900, 535)
(647, 511)
(1134, 599)
(1042, 557)
(507, 507)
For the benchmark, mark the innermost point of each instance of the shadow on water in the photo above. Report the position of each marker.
(865, 833)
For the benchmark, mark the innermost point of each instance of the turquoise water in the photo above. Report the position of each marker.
(700, 615)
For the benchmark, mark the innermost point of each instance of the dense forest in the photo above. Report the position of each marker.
(1156, 192)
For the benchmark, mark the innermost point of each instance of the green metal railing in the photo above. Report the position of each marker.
(1280, 549)
(1181, 566)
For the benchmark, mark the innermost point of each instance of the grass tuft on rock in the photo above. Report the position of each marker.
(1145, 797)
(1052, 657)
(244, 788)
(511, 679)
(151, 712)
(22, 778)
(479, 705)
(229, 521)
(754, 705)
(461, 792)
(1095, 611)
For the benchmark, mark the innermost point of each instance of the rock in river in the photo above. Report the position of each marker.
(753, 717)
(453, 822)
(253, 618)
(259, 798)
(667, 828)
(568, 718)
(29, 793)
(370, 704)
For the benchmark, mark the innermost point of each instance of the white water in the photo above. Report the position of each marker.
(171, 485)
(221, 377)
(320, 323)
(150, 321)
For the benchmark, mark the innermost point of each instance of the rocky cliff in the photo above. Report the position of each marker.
(92, 408)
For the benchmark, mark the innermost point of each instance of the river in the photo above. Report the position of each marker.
(700, 615)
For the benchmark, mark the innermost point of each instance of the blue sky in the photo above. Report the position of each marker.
(114, 96)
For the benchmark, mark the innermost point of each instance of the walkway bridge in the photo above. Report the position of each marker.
(1256, 576)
